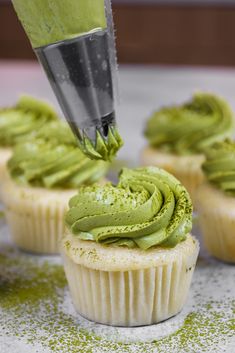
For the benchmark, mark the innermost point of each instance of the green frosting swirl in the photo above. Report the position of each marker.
(54, 164)
(57, 132)
(24, 121)
(192, 127)
(105, 149)
(219, 166)
(148, 207)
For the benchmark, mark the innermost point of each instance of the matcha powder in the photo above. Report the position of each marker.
(35, 308)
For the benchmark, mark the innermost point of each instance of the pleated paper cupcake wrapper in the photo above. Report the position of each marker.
(130, 298)
(35, 216)
(187, 169)
(217, 221)
(218, 232)
(39, 230)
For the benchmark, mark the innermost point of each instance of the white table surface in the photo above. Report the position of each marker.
(142, 90)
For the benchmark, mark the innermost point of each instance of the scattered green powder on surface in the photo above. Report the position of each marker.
(32, 295)
(1, 214)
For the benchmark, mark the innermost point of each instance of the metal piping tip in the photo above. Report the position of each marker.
(80, 71)
(104, 146)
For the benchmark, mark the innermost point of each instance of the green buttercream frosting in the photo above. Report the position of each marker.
(50, 21)
(54, 164)
(25, 120)
(105, 148)
(148, 207)
(56, 131)
(192, 127)
(219, 166)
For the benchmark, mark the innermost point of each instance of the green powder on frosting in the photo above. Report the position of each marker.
(148, 207)
(31, 306)
(50, 21)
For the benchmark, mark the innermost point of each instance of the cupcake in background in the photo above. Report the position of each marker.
(128, 253)
(38, 182)
(22, 122)
(179, 135)
(216, 201)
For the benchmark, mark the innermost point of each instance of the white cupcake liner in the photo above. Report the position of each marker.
(187, 169)
(134, 297)
(35, 216)
(217, 222)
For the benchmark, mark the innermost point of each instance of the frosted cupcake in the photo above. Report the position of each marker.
(216, 201)
(128, 253)
(179, 135)
(22, 122)
(40, 179)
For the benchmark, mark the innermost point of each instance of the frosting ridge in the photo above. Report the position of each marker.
(148, 207)
(25, 120)
(53, 164)
(219, 166)
(192, 127)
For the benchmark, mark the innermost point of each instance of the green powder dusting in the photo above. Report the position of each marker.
(202, 329)
(33, 306)
(25, 283)
(1, 214)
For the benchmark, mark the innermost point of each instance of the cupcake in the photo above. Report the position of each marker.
(216, 201)
(128, 253)
(22, 122)
(38, 182)
(179, 135)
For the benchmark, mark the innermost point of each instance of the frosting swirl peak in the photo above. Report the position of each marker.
(148, 207)
(191, 127)
(219, 166)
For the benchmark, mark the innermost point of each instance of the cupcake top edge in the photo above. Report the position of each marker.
(112, 258)
(148, 207)
(192, 127)
(219, 166)
(25, 121)
(54, 163)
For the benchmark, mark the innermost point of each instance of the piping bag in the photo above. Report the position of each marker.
(74, 42)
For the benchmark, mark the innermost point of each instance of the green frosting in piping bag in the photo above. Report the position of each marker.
(54, 164)
(148, 207)
(25, 120)
(219, 166)
(191, 127)
(50, 21)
